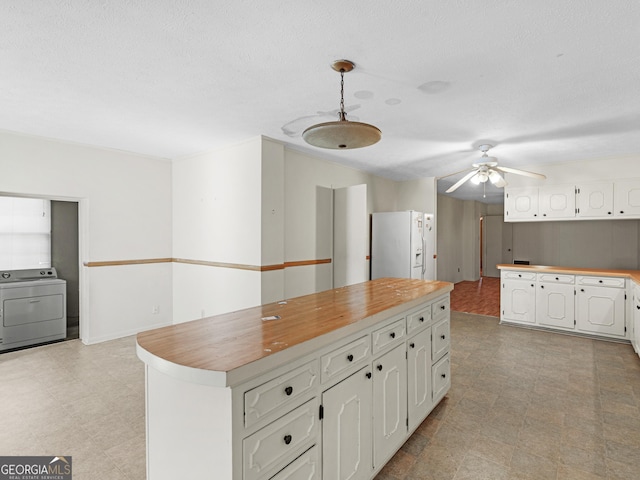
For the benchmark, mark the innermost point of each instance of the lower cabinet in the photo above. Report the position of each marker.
(636, 318)
(555, 305)
(347, 431)
(600, 310)
(419, 378)
(517, 298)
(305, 467)
(389, 404)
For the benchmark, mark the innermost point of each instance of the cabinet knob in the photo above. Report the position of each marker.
(392, 334)
(557, 278)
(442, 307)
(379, 367)
(350, 357)
(421, 319)
(582, 289)
(638, 307)
(287, 439)
(599, 281)
(444, 375)
(288, 390)
(368, 374)
(621, 211)
(442, 337)
(413, 345)
(535, 214)
(541, 286)
(519, 275)
(544, 215)
(532, 284)
(608, 213)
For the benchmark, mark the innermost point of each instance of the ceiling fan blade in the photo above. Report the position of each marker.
(521, 172)
(497, 179)
(455, 186)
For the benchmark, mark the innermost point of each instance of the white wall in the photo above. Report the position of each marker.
(217, 217)
(125, 214)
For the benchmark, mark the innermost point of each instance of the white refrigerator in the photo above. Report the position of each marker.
(403, 245)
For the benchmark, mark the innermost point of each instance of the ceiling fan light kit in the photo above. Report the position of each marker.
(342, 134)
(488, 170)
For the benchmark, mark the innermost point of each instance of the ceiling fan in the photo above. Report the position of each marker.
(487, 169)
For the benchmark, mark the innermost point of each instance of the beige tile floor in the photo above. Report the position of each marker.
(523, 405)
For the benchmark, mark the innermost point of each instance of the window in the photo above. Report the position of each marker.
(25, 233)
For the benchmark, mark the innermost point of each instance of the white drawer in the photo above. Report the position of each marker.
(556, 278)
(418, 319)
(268, 397)
(305, 467)
(343, 358)
(440, 309)
(440, 340)
(388, 335)
(270, 449)
(518, 275)
(615, 282)
(441, 372)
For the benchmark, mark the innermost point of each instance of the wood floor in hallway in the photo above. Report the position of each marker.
(481, 297)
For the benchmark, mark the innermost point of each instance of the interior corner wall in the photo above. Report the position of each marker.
(308, 184)
(217, 220)
(124, 214)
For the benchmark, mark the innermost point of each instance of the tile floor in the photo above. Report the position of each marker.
(523, 405)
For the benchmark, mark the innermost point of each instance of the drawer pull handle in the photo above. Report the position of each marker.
(541, 286)
(350, 357)
(599, 281)
(442, 337)
(557, 278)
(413, 345)
(368, 374)
(444, 375)
(392, 334)
(288, 390)
(638, 307)
(582, 289)
(422, 319)
(287, 439)
(379, 367)
(442, 307)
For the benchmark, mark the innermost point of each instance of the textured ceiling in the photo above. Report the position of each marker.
(544, 81)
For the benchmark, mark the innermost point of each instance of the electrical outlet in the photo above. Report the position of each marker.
(155, 310)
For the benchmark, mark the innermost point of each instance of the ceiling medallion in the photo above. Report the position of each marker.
(342, 134)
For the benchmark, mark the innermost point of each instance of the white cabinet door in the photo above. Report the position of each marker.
(626, 198)
(520, 204)
(419, 377)
(517, 298)
(636, 318)
(389, 403)
(347, 429)
(600, 310)
(557, 201)
(555, 305)
(594, 200)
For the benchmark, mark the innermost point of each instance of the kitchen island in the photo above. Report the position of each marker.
(327, 385)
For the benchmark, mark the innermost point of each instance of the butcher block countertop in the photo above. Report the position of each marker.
(600, 272)
(225, 349)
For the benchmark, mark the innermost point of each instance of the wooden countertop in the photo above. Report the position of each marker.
(231, 341)
(602, 272)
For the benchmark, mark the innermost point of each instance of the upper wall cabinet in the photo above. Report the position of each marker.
(588, 201)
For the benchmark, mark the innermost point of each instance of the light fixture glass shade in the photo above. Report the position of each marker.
(479, 178)
(342, 135)
(496, 179)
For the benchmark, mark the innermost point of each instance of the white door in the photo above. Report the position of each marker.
(555, 305)
(346, 428)
(419, 377)
(521, 204)
(350, 235)
(600, 310)
(626, 198)
(389, 403)
(594, 200)
(517, 298)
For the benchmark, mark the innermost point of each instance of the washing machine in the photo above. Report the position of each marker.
(33, 307)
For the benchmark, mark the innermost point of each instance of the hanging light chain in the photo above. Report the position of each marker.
(342, 115)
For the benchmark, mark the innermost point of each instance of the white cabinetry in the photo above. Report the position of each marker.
(636, 318)
(555, 300)
(419, 377)
(594, 200)
(520, 203)
(556, 201)
(347, 429)
(517, 296)
(627, 198)
(389, 404)
(600, 305)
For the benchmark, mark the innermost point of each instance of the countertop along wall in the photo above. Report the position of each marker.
(124, 215)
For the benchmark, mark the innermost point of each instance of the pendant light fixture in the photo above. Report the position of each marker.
(342, 134)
